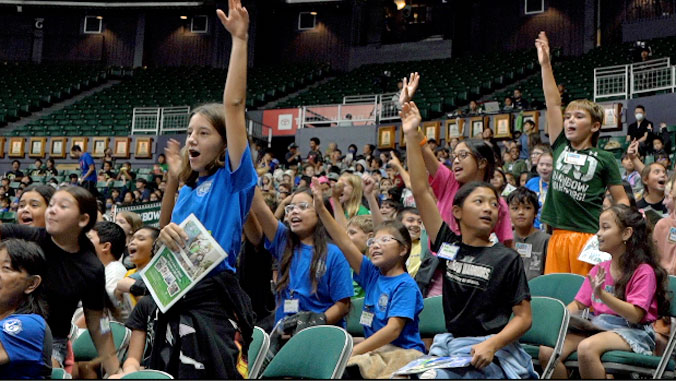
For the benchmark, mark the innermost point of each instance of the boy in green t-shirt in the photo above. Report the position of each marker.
(581, 173)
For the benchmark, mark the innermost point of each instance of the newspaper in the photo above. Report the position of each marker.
(591, 254)
(170, 275)
(425, 363)
(580, 322)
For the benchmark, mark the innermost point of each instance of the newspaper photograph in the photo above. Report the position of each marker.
(170, 275)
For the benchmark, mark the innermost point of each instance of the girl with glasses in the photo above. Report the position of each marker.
(313, 275)
(393, 301)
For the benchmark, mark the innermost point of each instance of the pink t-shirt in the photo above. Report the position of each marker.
(664, 237)
(445, 186)
(640, 291)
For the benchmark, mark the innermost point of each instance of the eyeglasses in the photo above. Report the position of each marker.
(462, 155)
(302, 206)
(381, 240)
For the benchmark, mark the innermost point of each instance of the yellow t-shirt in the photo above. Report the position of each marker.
(413, 262)
(132, 297)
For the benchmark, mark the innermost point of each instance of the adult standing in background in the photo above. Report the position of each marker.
(88, 168)
(640, 130)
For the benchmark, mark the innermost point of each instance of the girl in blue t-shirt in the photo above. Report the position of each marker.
(393, 300)
(312, 275)
(218, 190)
(25, 337)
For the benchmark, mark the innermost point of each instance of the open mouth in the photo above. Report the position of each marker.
(486, 219)
(193, 153)
(25, 219)
(132, 251)
(376, 254)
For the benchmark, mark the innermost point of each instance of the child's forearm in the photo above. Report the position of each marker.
(383, 336)
(517, 327)
(632, 313)
(337, 311)
(375, 209)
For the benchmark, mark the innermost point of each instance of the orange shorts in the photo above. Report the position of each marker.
(562, 251)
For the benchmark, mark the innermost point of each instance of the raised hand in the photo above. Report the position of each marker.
(632, 150)
(369, 184)
(410, 117)
(598, 281)
(337, 190)
(237, 21)
(542, 45)
(394, 161)
(409, 88)
(173, 154)
(317, 194)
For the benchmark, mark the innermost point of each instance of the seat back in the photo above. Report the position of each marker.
(148, 374)
(549, 327)
(353, 326)
(84, 349)
(60, 374)
(257, 350)
(432, 319)
(561, 286)
(319, 352)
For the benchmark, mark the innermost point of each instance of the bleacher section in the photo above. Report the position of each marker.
(577, 73)
(28, 87)
(109, 112)
(445, 84)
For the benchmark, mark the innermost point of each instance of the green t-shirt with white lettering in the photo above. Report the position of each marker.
(578, 185)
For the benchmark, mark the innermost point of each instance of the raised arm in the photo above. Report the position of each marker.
(410, 118)
(632, 152)
(396, 164)
(253, 230)
(409, 88)
(552, 96)
(370, 193)
(173, 155)
(337, 232)
(264, 215)
(234, 97)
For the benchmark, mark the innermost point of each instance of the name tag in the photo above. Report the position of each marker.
(448, 251)
(366, 318)
(290, 306)
(524, 249)
(575, 158)
(672, 235)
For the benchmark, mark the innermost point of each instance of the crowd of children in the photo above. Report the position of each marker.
(306, 236)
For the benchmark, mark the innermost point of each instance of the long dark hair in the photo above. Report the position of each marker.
(320, 245)
(482, 151)
(86, 203)
(639, 250)
(28, 256)
(45, 191)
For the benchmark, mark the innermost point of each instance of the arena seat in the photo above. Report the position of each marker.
(148, 374)
(431, 317)
(561, 286)
(257, 350)
(84, 349)
(354, 328)
(319, 352)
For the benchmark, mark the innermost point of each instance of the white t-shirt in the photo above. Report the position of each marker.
(114, 272)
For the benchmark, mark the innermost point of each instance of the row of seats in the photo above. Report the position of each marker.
(445, 83)
(27, 88)
(109, 112)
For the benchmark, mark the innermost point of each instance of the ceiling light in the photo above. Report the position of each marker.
(400, 4)
(183, 17)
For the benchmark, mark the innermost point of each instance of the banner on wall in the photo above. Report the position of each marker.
(149, 212)
(284, 122)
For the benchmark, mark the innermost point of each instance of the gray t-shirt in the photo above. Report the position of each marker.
(533, 251)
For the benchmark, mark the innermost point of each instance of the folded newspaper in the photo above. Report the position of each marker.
(425, 363)
(170, 275)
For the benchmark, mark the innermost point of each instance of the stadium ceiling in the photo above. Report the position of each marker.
(105, 4)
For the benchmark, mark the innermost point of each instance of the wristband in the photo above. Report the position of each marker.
(423, 142)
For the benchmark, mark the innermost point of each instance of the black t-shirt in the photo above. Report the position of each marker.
(637, 130)
(51, 171)
(14, 175)
(480, 286)
(70, 278)
(143, 318)
(316, 155)
(290, 161)
(658, 206)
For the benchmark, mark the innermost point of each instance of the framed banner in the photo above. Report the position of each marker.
(144, 148)
(16, 147)
(100, 144)
(454, 128)
(534, 116)
(477, 124)
(431, 130)
(612, 117)
(121, 147)
(386, 137)
(37, 147)
(58, 148)
(502, 126)
(2, 146)
(79, 141)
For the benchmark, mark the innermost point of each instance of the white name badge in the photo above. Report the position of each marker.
(448, 251)
(366, 318)
(290, 306)
(672, 235)
(575, 158)
(524, 249)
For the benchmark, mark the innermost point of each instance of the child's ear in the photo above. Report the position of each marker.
(371, 235)
(595, 126)
(457, 212)
(482, 164)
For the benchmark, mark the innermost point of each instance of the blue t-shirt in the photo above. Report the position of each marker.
(523, 140)
(27, 341)
(334, 284)
(85, 161)
(391, 296)
(221, 202)
(534, 184)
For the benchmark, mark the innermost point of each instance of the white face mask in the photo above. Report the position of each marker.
(639, 116)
